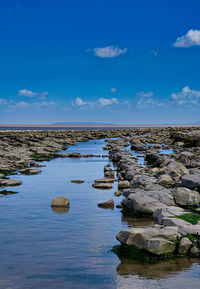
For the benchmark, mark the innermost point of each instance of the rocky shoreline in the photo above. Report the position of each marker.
(166, 189)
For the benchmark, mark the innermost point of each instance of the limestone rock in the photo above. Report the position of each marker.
(102, 186)
(124, 184)
(191, 181)
(107, 204)
(165, 180)
(9, 182)
(184, 246)
(60, 202)
(186, 197)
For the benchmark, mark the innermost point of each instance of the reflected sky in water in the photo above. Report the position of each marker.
(43, 248)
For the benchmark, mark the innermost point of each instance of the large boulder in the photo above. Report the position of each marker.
(191, 181)
(188, 159)
(176, 169)
(156, 240)
(186, 197)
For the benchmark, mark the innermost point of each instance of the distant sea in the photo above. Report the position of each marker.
(86, 127)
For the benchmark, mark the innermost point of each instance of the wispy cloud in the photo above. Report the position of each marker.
(18, 105)
(191, 38)
(30, 93)
(147, 99)
(100, 102)
(45, 103)
(107, 101)
(154, 52)
(113, 90)
(186, 96)
(3, 101)
(109, 51)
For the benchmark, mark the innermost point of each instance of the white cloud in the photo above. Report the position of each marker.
(109, 51)
(191, 38)
(101, 102)
(113, 89)
(107, 101)
(3, 101)
(147, 99)
(80, 102)
(154, 52)
(145, 94)
(186, 96)
(30, 93)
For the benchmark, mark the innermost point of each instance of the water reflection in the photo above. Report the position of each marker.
(137, 222)
(60, 210)
(159, 270)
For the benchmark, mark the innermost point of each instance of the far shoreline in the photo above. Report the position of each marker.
(96, 126)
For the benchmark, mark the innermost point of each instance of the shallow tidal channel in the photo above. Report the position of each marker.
(42, 248)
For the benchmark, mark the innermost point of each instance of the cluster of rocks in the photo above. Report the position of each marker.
(167, 189)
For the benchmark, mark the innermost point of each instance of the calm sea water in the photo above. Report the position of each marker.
(41, 248)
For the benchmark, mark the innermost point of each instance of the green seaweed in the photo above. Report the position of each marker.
(190, 218)
(139, 255)
(41, 157)
(7, 172)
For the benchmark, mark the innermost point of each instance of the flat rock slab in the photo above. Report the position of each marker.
(30, 171)
(77, 181)
(9, 182)
(104, 180)
(102, 186)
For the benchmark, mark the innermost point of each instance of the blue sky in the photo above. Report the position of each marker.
(116, 61)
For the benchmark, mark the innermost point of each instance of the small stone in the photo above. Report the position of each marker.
(124, 184)
(118, 194)
(77, 181)
(194, 251)
(184, 246)
(60, 202)
(165, 180)
(107, 204)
